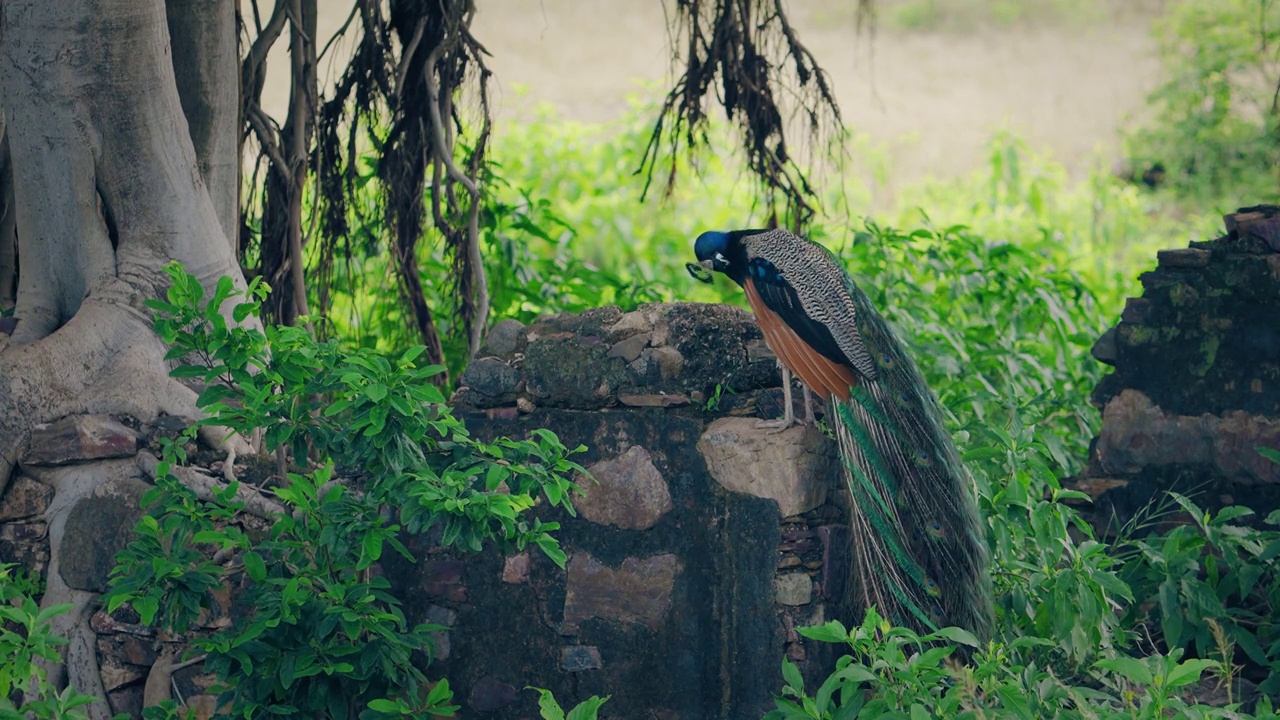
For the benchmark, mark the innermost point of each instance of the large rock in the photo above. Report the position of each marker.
(638, 591)
(660, 355)
(1137, 435)
(627, 492)
(793, 467)
(98, 527)
(78, 438)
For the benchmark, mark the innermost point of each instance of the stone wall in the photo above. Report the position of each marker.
(700, 546)
(1196, 386)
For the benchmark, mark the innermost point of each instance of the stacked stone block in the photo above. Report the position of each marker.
(1196, 386)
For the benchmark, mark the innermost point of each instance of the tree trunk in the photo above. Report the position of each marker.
(206, 65)
(8, 241)
(106, 190)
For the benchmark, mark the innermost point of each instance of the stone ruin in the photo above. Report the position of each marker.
(701, 543)
(1196, 386)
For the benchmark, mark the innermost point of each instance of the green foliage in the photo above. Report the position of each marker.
(26, 639)
(1215, 585)
(550, 709)
(1214, 116)
(322, 633)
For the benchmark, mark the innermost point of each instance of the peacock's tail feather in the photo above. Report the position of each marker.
(918, 549)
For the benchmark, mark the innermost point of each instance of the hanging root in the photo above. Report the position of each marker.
(413, 92)
(748, 55)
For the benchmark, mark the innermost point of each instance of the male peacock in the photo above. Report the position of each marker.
(916, 543)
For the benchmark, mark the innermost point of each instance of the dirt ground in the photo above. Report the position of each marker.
(934, 98)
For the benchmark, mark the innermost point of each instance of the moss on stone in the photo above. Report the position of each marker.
(1145, 335)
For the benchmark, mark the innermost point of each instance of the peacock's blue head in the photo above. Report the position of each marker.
(709, 244)
(712, 250)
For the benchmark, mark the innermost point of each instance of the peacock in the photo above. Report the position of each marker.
(918, 550)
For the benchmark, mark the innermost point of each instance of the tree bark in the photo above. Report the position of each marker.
(106, 189)
(206, 65)
(8, 239)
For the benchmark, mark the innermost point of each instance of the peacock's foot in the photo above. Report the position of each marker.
(777, 425)
(810, 418)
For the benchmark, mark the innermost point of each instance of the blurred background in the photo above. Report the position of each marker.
(934, 84)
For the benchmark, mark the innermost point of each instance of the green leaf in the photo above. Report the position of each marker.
(791, 674)
(440, 693)
(411, 354)
(215, 537)
(958, 635)
(1188, 672)
(372, 549)
(254, 566)
(550, 709)
(552, 550)
(833, 631)
(587, 709)
(1130, 669)
(384, 705)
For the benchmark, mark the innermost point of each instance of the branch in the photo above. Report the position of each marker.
(355, 10)
(267, 136)
(206, 486)
(252, 70)
(444, 155)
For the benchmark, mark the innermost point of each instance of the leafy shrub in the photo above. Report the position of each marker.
(26, 639)
(321, 633)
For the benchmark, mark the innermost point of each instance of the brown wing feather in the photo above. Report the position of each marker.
(824, 377)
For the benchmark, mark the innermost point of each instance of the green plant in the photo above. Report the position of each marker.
(1215, 585)
(26, 640)
(550, 709)
(322, 633)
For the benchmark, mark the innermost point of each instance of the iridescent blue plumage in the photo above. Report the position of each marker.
(709, 243)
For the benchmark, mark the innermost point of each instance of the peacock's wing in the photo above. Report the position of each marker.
(800, 281)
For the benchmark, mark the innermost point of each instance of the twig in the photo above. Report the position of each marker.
(355, 10)
(266, 137)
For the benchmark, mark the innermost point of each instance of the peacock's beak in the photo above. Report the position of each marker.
(700, 271)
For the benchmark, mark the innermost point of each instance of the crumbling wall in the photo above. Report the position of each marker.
(1196, 386)
(701, 544)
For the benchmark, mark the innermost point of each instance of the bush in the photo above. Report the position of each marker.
(321, 634)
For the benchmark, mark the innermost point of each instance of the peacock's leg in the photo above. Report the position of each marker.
(788, 416)
(809, 417)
